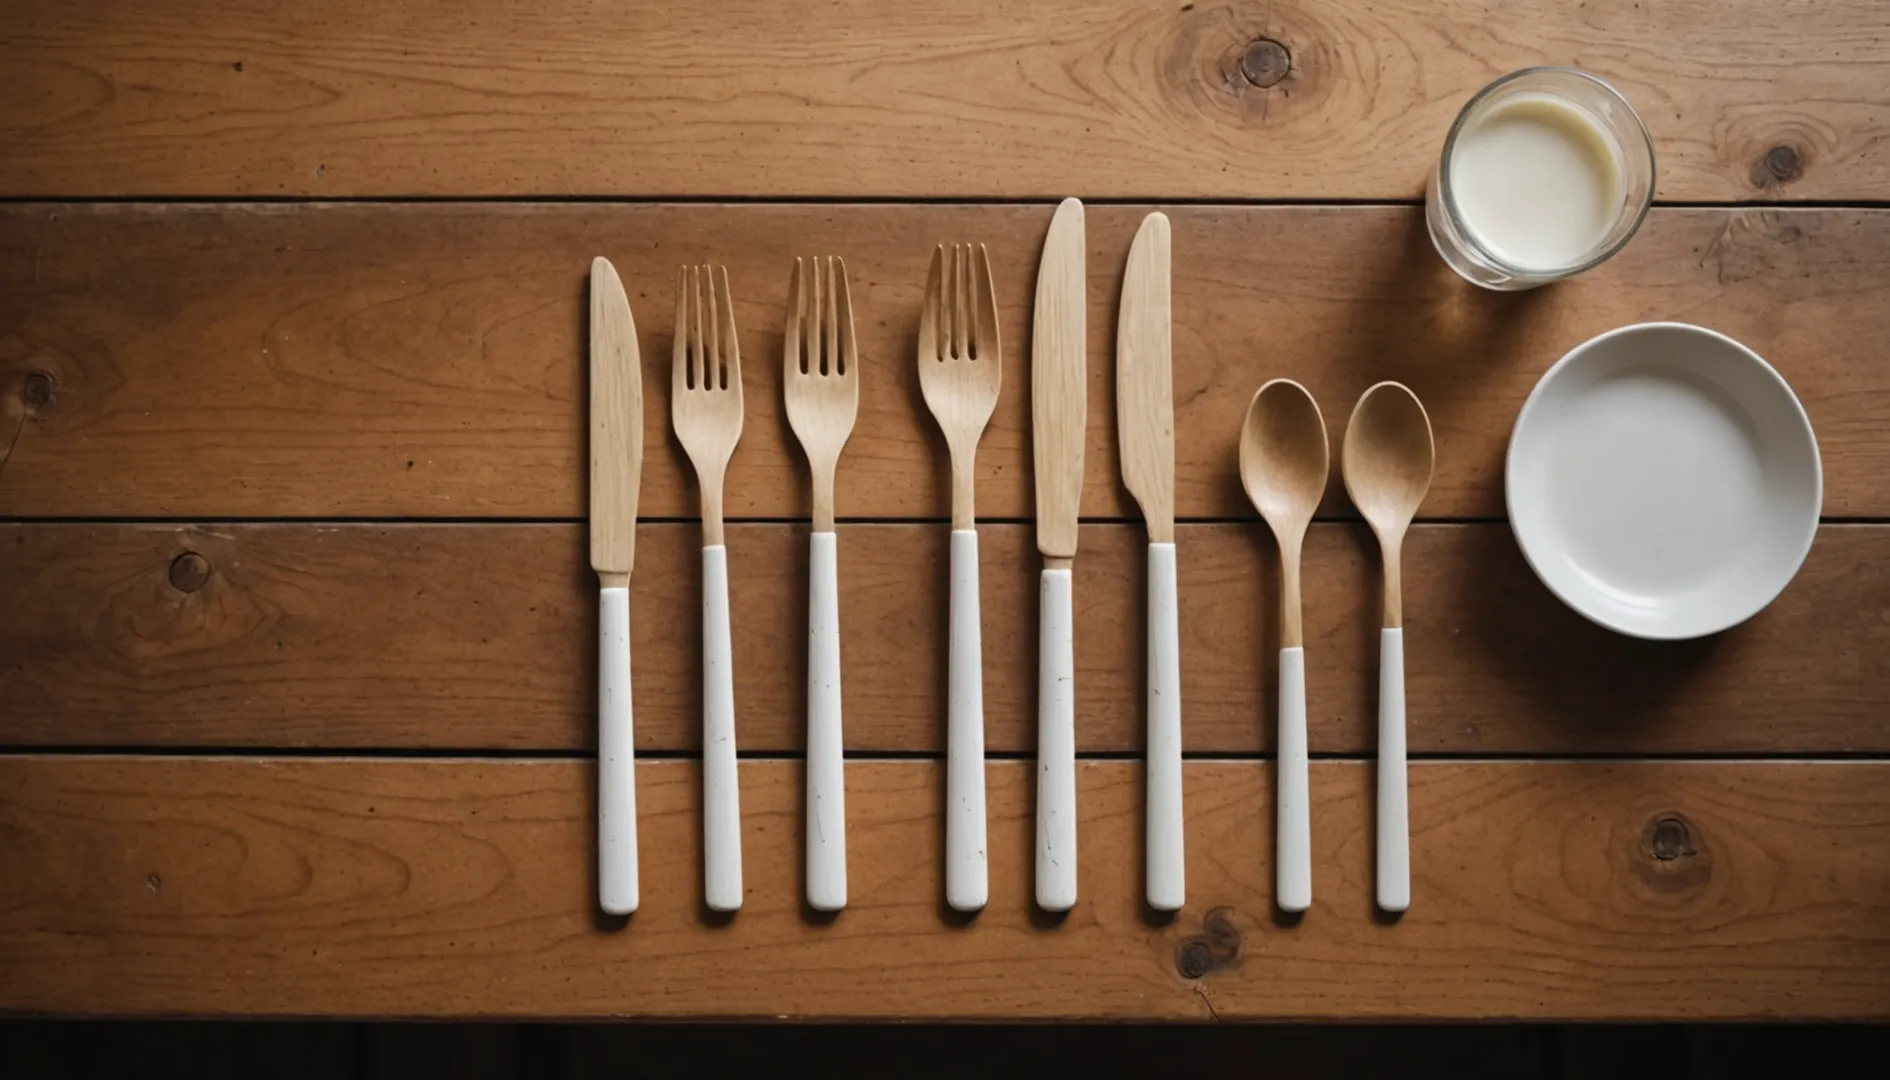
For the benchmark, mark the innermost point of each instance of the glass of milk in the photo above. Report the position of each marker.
(1546, 173)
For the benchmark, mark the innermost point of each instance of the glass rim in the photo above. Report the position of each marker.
(1448, 193)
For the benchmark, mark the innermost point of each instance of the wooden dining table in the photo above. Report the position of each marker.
(297, 626)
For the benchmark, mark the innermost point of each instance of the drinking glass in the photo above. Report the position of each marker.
(1621, 145)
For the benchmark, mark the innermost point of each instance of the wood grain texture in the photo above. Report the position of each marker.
(1145, 381)
(1121, 98)
(440, 888)
(480, 637)
(616, 426)
(1059, 361)
(428, 360)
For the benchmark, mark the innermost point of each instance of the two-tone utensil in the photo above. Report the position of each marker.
(1059, 406)
(960, 370)
(616, 468)
(1145, 431)
(821, 380)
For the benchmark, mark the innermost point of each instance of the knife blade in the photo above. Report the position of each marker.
(616, 467)
(1145, 432)
(1059, 400)
(1145, 395)
(1059, 409)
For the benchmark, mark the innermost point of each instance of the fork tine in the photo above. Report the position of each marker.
(929, 314)
(848, 359)
(831, 363)
(961, 301)
(816, 359)
(792, 361)
(712, 331)
(732, 354)
(984, 311)
(679, 351)
(696, 328)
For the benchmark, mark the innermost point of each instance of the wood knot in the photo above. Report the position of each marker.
(189, 572)
(1670, 839)
(1265, 63)
(36, 392)
(1779, 165)
(1216, 947)
(1675, 857)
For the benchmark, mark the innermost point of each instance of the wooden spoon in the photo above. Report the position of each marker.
(1283, 465)
(1387, 462)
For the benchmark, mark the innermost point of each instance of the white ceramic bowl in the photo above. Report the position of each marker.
(1664, 481)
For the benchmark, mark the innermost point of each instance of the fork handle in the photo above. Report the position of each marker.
(826, 780)
(616, 757)
(966, 884)
(721, 790)
(1056, 745)
(1167, 876)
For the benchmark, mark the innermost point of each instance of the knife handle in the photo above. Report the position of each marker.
(1394, 817)
(826, 779)
(1293, 886)
(1167, 876)
(616, 757)
(721, 789)
(966, 884)
(1056, 745)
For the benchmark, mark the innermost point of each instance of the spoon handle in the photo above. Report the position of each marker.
(1394, 820)
(1293, 886)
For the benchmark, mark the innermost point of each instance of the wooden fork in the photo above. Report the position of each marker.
(960, 370)
(706, 407)
(822, 383)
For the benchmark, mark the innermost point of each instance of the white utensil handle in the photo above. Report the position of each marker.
(1056, 745)
(721, 788)
(1293, 888)
(826, 780)
(1167, 877)
(1394, 815)
(966, 884)
(616, 757)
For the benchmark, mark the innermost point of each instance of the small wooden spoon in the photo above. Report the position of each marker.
(1283, 465)
(1387, 462)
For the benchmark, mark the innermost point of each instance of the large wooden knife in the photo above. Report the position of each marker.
(1059, 406)
(1145, 431)
(616, 468)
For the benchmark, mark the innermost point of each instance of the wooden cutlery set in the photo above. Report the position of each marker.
(1386, 461)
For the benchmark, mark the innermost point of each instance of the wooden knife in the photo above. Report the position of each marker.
(1145, 431)
(616, 467)
(1059, 406)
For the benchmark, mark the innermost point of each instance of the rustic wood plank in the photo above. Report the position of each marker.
(440, 888)
(428, 360)
(958, 97)
(482, 637)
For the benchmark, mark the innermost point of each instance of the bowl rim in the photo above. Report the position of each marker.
(1593, 346)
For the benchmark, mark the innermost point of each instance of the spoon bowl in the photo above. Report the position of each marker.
(1388, 458)
(1283, 456)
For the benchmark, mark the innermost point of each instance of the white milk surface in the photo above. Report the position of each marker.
(1538, 181)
